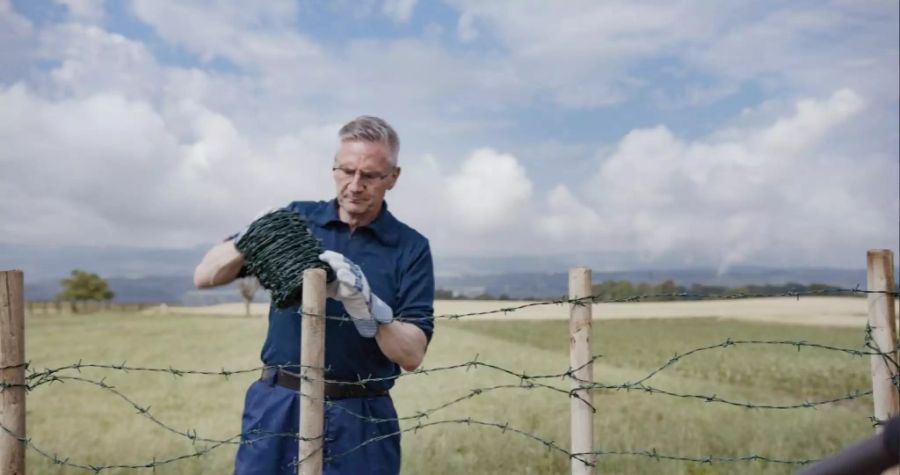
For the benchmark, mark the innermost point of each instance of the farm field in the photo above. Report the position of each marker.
(93, 426)
(831, 311)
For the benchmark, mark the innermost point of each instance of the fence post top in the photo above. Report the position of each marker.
(314, 271)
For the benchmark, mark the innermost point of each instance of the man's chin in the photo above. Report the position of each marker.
(354, 207)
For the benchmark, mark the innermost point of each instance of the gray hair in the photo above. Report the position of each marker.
(372, 129)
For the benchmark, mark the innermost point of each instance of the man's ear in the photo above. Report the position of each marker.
(393, 179)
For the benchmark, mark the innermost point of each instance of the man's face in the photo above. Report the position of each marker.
(363, 174)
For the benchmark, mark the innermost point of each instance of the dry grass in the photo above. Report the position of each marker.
(827, 311)
(92, 426)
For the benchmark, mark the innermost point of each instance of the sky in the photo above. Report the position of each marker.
(678, 131)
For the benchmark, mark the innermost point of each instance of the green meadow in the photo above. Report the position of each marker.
(90, 425)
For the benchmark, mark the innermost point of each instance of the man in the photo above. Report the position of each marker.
(384, 275)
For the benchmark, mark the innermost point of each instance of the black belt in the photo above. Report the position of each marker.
(332, 390)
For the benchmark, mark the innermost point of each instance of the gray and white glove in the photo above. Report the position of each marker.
(351, 288)
(238, 235)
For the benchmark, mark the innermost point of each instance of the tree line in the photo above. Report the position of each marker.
(612, 290)
(669, 290)
(83, 286)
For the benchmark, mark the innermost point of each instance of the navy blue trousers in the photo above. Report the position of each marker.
(270, 425)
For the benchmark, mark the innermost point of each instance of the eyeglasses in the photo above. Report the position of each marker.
(365, 178)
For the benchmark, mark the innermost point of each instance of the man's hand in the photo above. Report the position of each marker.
(221, 265)
(223, 262)
(352, 289)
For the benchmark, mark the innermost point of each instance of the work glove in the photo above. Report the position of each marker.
(238, 235)
(351, 288)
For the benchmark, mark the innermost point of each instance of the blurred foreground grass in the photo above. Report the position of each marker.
(89, 425)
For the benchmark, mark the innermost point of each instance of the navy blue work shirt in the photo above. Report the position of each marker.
(396, 260)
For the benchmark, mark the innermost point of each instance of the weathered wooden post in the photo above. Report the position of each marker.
(312, 372)
(882, 315)
(581, 402)
(12, 372)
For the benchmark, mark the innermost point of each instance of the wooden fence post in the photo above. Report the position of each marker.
(882, 314)
(312, 371)
(12, 372)
(581, 402)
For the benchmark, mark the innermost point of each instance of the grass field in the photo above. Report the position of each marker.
(90, 425)
(830, 311)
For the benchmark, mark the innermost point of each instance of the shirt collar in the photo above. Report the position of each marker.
(384, 227)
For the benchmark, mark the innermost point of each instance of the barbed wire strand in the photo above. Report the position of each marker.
(524, 384)
(599, 299)
(472, 393)
(504, 428)
(672, 296)
(873, 350)
(39, 378)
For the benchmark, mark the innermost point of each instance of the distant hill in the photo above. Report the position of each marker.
(164, 275)
(153, 289)
(42, 263)
(524, 285)
(179, 289)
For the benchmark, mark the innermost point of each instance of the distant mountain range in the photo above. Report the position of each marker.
(545, 285)
(45, 263)
(179, 289)
(164, 275)
(152, 289)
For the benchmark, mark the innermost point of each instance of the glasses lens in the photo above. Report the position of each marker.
(364, 177)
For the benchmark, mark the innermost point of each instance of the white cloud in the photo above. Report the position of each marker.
(771, 193)
(763, 188)
(812, 120)
(585, 53)
(278, 65)
(418, 77)
(465, 27)
(580, 53)
(132, 181)
(99, 128)
(251, 35)
(105, 162)
(569, 220)
(17, 36)
(490, 191)
(91, 60)
(399, 11)
(845, 55)
(85, 11)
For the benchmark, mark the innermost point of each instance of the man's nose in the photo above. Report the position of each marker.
(356, 183)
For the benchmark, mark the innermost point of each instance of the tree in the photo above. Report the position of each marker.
(81, 286)
(248, 287)
(442, 294)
